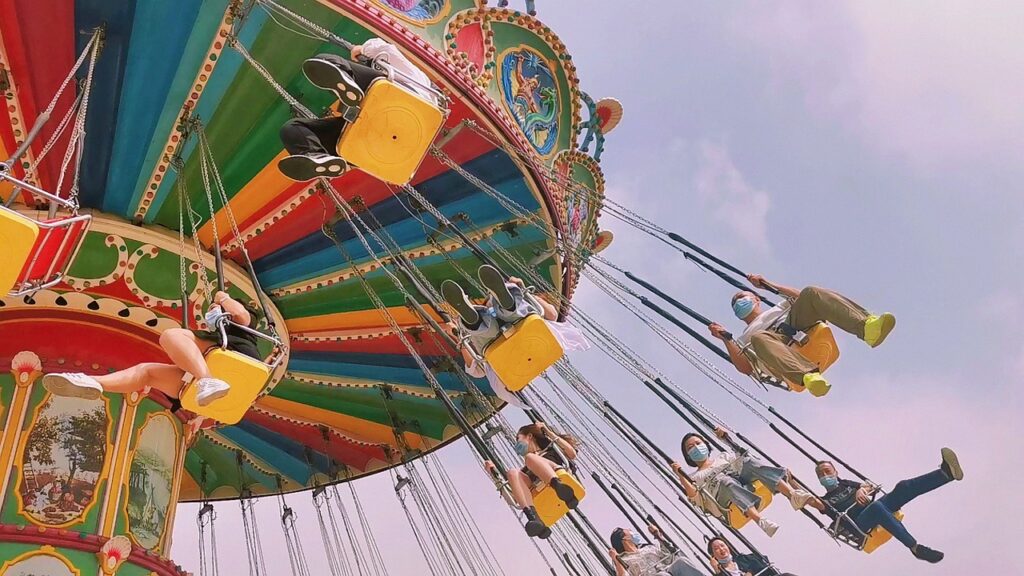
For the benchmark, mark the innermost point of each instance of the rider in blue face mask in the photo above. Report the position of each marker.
(769, 345)
(855, 511)
(536, 444)
(723, 479)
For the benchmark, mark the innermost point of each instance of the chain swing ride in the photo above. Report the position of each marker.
(168, 202)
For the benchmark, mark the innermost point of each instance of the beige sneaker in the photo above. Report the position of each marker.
(73, 385)
(799, 498)
(769, 527)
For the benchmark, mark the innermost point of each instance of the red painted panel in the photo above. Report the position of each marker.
(81, 340)
(470, 40)
(40, 42)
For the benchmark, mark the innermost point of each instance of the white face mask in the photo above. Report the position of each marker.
(213, 315)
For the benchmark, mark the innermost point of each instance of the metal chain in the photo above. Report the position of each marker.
(269, 78)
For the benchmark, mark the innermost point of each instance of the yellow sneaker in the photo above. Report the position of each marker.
(876, 328)
(816, 384)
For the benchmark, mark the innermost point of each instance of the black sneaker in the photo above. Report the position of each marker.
(545, 534)
(495, 284)
(951, 465)
(454, 295)
(328, 76)
(534, 527)
(925, 553)
(302, 168)
(565, 494)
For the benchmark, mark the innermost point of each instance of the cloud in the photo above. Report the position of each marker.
(1003, 313)
(725, 193)
(934, 83)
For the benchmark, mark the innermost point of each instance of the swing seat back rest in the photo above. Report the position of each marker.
(820, 348)
(392, 132)
(736, 518)
(35, 254)
(549, 506)
(247, 378)
(523, 352)
(866, 542)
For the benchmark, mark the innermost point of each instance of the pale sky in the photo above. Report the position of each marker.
(871, 147)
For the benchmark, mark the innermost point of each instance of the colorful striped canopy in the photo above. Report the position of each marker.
(352, 399)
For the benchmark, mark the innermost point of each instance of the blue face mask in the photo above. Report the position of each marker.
(742, 307)
(698, 452)
(829, 482)
(724, 561)
(522, 448)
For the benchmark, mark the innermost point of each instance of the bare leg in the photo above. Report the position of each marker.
(164, 377)
(182, 347)
(753, 514)
(784, 488)
(541, 467)
(520, 484)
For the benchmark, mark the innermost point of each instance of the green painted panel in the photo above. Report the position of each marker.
(84, 562)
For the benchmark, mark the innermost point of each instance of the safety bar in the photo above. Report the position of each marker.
(5, 174)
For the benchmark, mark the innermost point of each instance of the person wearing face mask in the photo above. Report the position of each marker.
(853, 504)
(800, 310)
(634, 558)
(186, 350)
(506, 304)
(726, 478)
(726, 561)
(536, 444)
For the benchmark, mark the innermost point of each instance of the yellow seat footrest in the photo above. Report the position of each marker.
(879, 536)
(737, 519)
(820, 348)
(392, 133)
(523, 353)
(245, 375)
(550, 508)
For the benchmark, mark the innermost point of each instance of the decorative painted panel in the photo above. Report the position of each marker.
(61, 459)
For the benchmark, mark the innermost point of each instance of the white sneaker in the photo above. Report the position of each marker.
(73, 385)
(769, 527)
(210, 389)
(799, 498)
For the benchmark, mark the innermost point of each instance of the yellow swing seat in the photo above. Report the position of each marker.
(878, 536)
(391, 135)
(550, 508)
(820, 348)
(246, 376)
(18, 236)
(736, 518)
(522, 352)
(34, 254)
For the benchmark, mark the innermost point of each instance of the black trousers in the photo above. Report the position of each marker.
(320, 135)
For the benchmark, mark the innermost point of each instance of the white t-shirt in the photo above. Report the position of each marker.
(764, 321)
(647, 561)
(406, 69)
